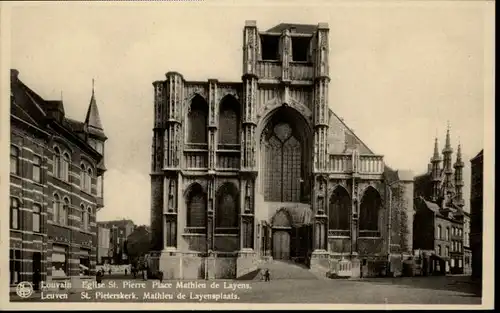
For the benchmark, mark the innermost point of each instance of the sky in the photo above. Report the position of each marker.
(399, 72)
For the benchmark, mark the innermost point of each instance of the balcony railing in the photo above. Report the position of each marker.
(269, 69)
(228, 160)
(196, 159)
(301, 71)
(366, 164)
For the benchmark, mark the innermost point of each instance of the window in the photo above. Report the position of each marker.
(14, 160)
(226, 211)
(65, 167)
(83, 217)
(15, 218)
(447, 233)
(63, 218)
(283, 158)
(56, 208)
(300, 48)
(439, 250)
(37, 210)
(447, 251)
(37, 169)
(197, 121)
(99, 186)
(84, 262)
(370, 207)
(15, 266)
(229, 121)
(270, 47)
(196, 207)
(59, 261)
(57, 163)
(438, 232)
(89, 180)
(83, 175)
(89, 215)
(339, 210)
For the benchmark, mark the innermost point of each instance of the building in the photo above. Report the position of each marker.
(467, 248)
(56, 183)
(476, 204)
(439, 219)
(259, 168)
(103, 244)
(119, 231)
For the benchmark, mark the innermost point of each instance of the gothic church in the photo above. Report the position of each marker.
(244, 172)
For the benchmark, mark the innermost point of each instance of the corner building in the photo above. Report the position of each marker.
(246, 171)
(56, 187)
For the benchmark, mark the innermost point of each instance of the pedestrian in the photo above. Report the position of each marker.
(267, 275)
(125, 272)
(160, 275)
(109, 271)
(37, 277)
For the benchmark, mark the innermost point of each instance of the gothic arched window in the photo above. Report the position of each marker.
(283, 164)
(370, 207)
(197, 121)
(339, 210)
(229, 119)
(226, 214)
(196, 207)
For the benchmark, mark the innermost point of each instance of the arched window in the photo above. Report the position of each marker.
(438, 232)
(283, 168)
(55, 208)
(197, 121)
(339, 210)
(65, 212)
(57, 163)
(65, 166)
(83, 217)
(14, 160)
(14, 214)
(82, 176)
(196, 207)
(89, 178)
(226, 210)
(229, 119)
(89, 215)
(370, 208)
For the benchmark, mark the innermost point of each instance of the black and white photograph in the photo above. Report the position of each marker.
(247, 155)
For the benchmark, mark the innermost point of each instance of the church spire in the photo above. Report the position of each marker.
(93, 122)
(447, 164)
(436, 171)
(459, 182)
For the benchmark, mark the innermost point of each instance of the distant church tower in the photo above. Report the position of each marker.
(263, 168)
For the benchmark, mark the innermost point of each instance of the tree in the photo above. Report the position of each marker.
(138, 243)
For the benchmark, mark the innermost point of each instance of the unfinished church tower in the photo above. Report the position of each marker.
(262, 170)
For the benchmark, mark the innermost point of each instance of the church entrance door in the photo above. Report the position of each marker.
(281, 244)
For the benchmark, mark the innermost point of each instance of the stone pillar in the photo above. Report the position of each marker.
(406, 179)
(320, 140)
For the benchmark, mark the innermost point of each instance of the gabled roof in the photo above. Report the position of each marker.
(479, 155)
(299, 28)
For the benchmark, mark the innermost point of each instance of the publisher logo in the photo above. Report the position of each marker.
(24, 289)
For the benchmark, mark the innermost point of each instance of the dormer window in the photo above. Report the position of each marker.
(270, 47)
(300, 48)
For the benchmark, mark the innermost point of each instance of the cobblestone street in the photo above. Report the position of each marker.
(418, 290)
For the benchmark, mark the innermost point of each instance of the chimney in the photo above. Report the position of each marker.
(14, 74)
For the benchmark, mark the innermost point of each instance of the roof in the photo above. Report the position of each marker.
(299, 28)
(93, 119)
(479, 155)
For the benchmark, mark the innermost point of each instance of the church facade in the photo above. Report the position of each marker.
(246, 171)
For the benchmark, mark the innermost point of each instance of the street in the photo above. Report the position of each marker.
(404, 290)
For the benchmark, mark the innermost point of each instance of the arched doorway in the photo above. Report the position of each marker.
(282, 226)
(285, 161)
